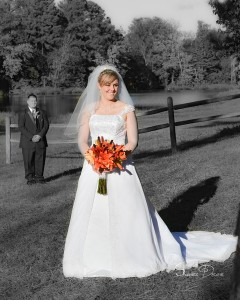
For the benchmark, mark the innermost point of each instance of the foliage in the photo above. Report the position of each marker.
(44, 44)
(166, 54)
(228, 15)
(41, 23)
(58, 61)
(13, 56)
(177, 58)
(205, 60)
(90, 35)
(155, 41)
(228, 12)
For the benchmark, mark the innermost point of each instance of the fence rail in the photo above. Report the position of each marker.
(172, 124)
(206, 101)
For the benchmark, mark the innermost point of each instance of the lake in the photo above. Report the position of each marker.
(63, 104)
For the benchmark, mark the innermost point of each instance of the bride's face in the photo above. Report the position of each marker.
(109, 90)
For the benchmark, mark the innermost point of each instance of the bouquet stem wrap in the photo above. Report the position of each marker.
(102, 184)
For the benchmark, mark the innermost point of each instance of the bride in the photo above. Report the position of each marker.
(120, 234)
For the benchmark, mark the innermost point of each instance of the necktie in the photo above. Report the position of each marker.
(34, 113)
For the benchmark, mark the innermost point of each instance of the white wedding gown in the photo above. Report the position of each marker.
(121, 234)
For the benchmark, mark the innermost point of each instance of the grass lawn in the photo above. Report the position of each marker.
(195, 189)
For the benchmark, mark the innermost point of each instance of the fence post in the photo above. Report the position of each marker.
(172, 124)
(8, 137)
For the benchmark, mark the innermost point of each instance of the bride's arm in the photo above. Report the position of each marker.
(132, 131)
(83, 134)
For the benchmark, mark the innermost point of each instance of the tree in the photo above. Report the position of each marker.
(167, 62)
(186, 77)
(58, 61)
(205, 60)
(228, 15)
(141, 35)
(13, 56)
(42, 24)
(157, 42)
(228, 12)
(91, 35)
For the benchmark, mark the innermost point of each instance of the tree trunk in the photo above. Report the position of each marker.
(180, 64)
(172, 79)
(233, 69)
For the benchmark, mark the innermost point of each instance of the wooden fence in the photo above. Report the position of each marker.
(171, 124)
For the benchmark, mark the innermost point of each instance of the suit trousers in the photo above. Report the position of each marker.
(34, 162)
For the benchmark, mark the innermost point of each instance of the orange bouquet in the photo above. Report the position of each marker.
(105, 156)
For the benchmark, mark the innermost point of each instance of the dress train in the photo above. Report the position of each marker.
(121, 235)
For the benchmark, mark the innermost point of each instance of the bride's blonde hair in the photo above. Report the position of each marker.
(107, 76)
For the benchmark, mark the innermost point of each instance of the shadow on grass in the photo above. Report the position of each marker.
(62, 155)
(217, 123)
(153, 154)
(220, 292)
(25, 227)
(65, 173)
(180, 212)
(223, 134)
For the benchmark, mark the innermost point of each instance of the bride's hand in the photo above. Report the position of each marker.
(127, 148)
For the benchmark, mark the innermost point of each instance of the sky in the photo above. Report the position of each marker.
(185, 12)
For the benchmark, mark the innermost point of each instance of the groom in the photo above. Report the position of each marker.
(33, 125)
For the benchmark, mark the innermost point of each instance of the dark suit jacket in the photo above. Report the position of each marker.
(28, 129)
